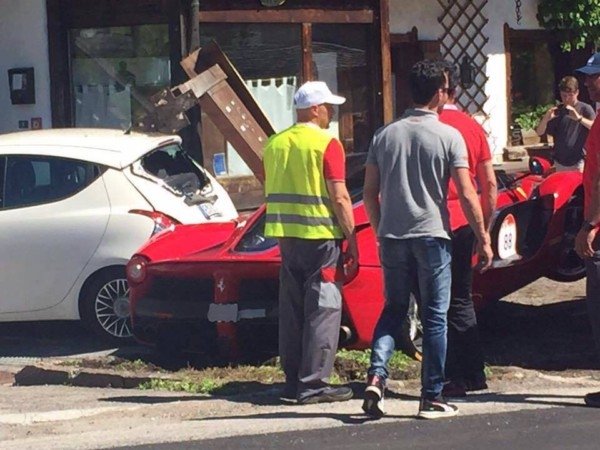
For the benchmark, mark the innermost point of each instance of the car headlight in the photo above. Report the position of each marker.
(136, 269)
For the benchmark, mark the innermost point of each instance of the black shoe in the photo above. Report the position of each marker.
(436, 409)
(454, 389)
(374, 397)
(289, 392)
(476, 384)
(592, 399)
(328, 394)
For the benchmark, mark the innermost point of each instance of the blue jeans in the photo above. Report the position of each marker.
(425, 261)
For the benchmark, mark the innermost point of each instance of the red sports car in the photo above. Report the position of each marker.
(214, 287)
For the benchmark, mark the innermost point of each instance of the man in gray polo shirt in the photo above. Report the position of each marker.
(409, 165)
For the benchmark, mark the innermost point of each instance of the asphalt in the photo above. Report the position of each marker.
(33, 417)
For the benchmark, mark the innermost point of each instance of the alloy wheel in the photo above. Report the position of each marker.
(111, 306)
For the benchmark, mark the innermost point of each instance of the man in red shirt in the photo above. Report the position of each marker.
(586, 242)
(464, 360)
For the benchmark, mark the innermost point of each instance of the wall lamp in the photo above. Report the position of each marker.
(467, 72)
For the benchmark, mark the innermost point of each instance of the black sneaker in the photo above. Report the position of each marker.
(436, 409)
(592, 399)
(374, 397)
(329, 394)
(289, 392)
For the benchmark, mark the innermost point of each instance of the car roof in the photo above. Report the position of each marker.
(109, 147)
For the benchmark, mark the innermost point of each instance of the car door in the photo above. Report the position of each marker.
(53, 215)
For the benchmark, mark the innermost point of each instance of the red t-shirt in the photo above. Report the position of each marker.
(478, 150)
(592, 149)
(334, 161)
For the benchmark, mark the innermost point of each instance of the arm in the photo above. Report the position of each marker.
(342, 208)
(470, 206)
(541, 128)
(371, 196)
(489, 190)
(574, 115)
(585, 238)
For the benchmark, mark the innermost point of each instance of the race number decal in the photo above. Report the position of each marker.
(507, 238)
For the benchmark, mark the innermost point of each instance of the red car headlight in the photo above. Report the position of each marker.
(136, 269)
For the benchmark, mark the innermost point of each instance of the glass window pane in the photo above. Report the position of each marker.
(269, 59)
(115, 71)
(32, 180)
(340, 58)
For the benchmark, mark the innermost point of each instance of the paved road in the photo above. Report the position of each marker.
(556, 428)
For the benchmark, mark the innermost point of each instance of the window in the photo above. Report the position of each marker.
(175, 168)
(34, 180)
(115, 71)
(269, 59)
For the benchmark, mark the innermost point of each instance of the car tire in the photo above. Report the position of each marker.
(104, 305)
(411, 337)
(570, 266)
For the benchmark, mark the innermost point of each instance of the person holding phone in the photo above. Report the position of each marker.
(568, 123)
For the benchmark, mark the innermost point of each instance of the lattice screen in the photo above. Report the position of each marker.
(463, 23)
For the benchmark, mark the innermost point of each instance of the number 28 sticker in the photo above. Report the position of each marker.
(507, 238)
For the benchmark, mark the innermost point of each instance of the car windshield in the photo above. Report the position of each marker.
(174, 167)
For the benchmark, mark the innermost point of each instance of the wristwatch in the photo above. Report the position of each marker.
(587, 226)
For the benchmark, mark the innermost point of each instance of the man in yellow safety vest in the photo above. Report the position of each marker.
(309, 210)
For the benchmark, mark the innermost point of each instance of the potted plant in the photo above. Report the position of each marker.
(527, 118)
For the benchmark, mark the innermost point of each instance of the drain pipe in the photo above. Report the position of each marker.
(195, 26)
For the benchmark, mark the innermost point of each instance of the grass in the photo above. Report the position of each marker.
(350, 365)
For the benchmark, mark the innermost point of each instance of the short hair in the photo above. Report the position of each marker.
(426, 77)
(568, 84)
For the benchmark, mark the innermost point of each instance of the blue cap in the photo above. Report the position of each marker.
(592, 66)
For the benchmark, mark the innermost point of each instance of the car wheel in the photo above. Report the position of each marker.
(104, 305)
(569, 266)
(411, 338)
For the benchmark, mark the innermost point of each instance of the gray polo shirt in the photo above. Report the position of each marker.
(414, 155)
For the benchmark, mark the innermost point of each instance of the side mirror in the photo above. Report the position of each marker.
(539, 165)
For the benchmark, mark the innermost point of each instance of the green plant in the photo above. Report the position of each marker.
(529, 117)
(204, 386)
(578, 20)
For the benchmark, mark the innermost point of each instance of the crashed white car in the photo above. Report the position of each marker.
(75, 204)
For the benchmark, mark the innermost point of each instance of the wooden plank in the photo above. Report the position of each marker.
(386, 62)
(211, 54)
(508, 92)
(404, 38)
(237, 125)
(232, 108)
(307, 56)
(287, 16)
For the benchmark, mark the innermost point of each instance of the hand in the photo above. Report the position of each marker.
(552, 113)
(583, 243)
(572, 113)
(351, 259)
(485, 255)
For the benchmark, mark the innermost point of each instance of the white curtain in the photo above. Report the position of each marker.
(275, 96)
(100, 105)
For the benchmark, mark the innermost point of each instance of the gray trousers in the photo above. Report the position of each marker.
(310, 310)
(592, 288)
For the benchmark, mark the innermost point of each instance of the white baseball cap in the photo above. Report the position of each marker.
(314, 93)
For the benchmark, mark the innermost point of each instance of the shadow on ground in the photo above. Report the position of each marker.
(553, 337)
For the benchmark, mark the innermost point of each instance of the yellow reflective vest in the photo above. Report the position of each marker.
(298, 203)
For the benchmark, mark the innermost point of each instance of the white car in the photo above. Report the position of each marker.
(75, 204)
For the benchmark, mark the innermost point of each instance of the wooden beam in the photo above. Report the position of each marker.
(287, 16)
(307, 60)
(231, 107)
(508, 93)
(386, 61)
